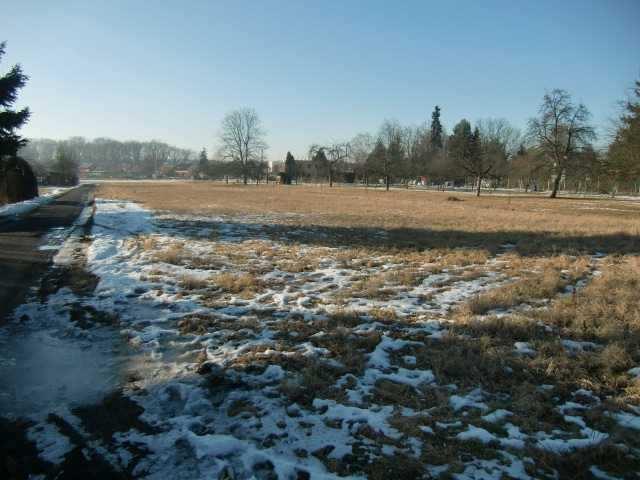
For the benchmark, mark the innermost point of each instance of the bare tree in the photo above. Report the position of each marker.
(500, 131)
(500, 142)
(361, 146)
(242, 138)
(335, 153)
(156, 154)
(391, 137)
(561, 132)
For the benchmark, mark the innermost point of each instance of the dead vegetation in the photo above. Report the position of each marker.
(554, 314)
(419, 218)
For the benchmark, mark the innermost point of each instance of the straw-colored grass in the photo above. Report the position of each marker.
(354, 206)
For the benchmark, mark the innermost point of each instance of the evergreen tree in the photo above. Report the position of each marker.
(320, 162)
(436, 129)
(624, 152)
(475, 164)
(377, 161)
(203, 164)
(460, 141)
(290, 167)
(11, 120)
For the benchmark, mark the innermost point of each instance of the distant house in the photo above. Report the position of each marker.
(176, 171)
(85, 171)
(277, 167)
(305, 169)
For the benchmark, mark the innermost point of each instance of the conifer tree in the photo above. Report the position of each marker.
(624, 151)
(459, 142)
(377, 161)
(203, 164)
(436, 129)
(475, 164)
(290, 167)
(10, 119)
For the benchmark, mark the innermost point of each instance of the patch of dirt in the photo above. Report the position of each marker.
(116, 413)
(18, 455)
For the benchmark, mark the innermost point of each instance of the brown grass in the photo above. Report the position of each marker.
(606, 310)
(237, 282)
(426, 233)
(549, 278)
(173, 254)
(520, 219)
(190, 282)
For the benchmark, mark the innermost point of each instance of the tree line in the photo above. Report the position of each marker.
(131, 158)
(555, 152)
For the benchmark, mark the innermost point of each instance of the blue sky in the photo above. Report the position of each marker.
(314, 71)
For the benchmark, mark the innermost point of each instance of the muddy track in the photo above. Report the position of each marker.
(22, 263)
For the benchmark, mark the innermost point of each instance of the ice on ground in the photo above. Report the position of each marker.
(260, 344)
(53, 446)
(628, 420)
(509, 466)
(575, 346)
(379, 358)
(47, 363)
(563, 445)
(524, 348)
(472, 400)
(476, 433)
(634, 372)
(601, 475)
(22, 208)
(496, 416)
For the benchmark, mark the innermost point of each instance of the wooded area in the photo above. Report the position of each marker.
(554, 153)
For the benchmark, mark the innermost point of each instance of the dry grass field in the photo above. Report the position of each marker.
(424, 218)
(302, 331)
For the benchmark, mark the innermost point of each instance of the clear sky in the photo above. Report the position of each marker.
(314, 71)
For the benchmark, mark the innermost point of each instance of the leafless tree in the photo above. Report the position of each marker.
(390, 136)
(335, 153)
(561, 132)
(155, 155)
(500, 142)
(242, 138)
(361, 146)
(500, 131)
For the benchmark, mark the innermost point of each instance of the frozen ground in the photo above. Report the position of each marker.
(255, 352)
(20, 208)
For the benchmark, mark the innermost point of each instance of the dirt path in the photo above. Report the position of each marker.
(22, 263)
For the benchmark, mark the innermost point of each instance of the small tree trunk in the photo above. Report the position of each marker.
(478, 186)
(330, 177)
(556, 185)
(386, 181)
